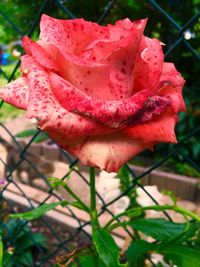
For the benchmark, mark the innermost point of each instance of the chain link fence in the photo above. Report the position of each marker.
(64, 228)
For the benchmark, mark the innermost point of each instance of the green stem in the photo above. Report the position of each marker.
(185, 212)
(92, 190)
(68, 189)
(158, 208)
(93, 211)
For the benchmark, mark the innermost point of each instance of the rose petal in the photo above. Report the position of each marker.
(93, 80)
(155, 106)
(111, 113)
(171, 76)
(122, 61)
(171, 84)
(39, 93)
(175, 95)
(149, 65)
(108, 152)
(52, 117)
(67, 35)
(160, 129)
(38, 53)
(62, 125)
(89, 77)
(119, 52)
(61, 39)
(16, 93)
(119, 37)
(122, 28)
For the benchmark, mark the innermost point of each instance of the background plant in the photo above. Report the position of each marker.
(178, 243)
(21, 245)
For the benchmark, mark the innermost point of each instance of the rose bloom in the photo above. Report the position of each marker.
(102, 93)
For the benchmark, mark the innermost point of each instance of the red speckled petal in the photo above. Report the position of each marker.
(122, 61)
(171, 76)
(119, 37)
(93, 80)
(63, 39)
(39, 89)
(119, 52)
(62, 124)
(38, 53)
(108, 152)
(52, 117)
(90, 77)
(16, 93)
(154, 107)
(175, 95)
(67, 35)
(122, 28)
(158, 130)
(171, 84)
(149, 64)
(107, 79)
(113, 114)
(125, 24)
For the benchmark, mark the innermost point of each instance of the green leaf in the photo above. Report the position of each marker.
(14, 226)
(77, 205)
(193, 228)
(40, 239)
(32, 239)
(7, 259)
(116, 225)
(84, 261)
(182, 256)
(39, 211)
(1, 252)
(106, 247)
(135, 212)
(25, 242)
(25, 259)
(55, 182)
(160, 229)
(136, 252)
(41, 138)
(30, 132)
(26, 133)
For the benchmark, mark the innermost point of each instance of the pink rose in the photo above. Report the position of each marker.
(102, 93)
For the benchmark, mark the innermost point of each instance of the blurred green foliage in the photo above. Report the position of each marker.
(23, 14)
(20, 247)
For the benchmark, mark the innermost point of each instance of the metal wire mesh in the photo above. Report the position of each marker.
(62, 243)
